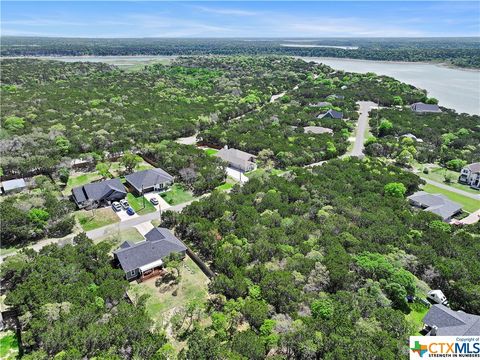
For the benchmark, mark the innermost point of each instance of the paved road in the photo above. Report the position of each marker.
(452, 189)
(362, 126)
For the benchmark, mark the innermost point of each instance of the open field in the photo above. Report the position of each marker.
(100, 217)
(468, 204)
(140, 204)
(162, 303)
(177, 195)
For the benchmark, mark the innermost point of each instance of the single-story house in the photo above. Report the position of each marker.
(435, 203)
(470, 175)
(443, 321)
(422, 108)
(332, 114)
(149, 180)
(237, 159)
(320, 104)
(139, 260)
(15, 185)
(335, 96)
(99, 193)
(317, 130)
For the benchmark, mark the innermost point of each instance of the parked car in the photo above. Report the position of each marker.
(116, 206)
(124, 204)
(130, 211)
(154, 201)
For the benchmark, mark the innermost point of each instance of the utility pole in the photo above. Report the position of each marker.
(143, 198)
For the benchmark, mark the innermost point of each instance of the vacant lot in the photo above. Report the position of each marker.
(99, 217)
(162, 303)
(177, 195)
(468, 204)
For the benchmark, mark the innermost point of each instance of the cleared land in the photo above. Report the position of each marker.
(161, 303)
(468, 204)
(177, 195)
(99, 218)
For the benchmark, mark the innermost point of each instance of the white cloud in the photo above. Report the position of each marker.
(225, 11)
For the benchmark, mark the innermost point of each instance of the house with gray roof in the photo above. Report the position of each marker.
(443, 321)
(422, 108)
(317, 130)
(15, 185)
(237, 159)
(138, 260)
(470, 175)
(332, 114)
(145, 181)
(438, 204)
(320, 104)
(99, 193)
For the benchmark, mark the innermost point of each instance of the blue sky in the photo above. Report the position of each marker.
(240, 19)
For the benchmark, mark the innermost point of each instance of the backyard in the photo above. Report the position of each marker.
(177, 195)
(211, 152)
(468, 204)
(99, 217)
(162, 301)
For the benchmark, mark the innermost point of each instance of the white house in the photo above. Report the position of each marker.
(470, 175)
(237, 159)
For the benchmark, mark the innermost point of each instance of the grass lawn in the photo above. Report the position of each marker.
(139, 204)
(224, 187)
(211, 152)
(414, 318)
(176, 195)
(259, 172)
(8, 345)
(118, 236)
(468, 204)
(162, 302)
(437, 174)
(103, 217)
(80, 180)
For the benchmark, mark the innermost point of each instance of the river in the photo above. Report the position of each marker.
(454, 88)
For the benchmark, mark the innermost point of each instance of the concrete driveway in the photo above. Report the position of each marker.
(162, 204)
(236, 175)
(122, 214)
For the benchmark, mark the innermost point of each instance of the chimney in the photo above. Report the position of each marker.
(434, 330)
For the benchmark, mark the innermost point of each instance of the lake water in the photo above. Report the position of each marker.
(454, 88)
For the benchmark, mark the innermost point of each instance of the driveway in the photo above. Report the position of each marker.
(162, 204)
(236, 175)
(122, 214)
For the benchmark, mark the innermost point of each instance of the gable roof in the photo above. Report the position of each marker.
(474, 167)
(320, 104)
(422, 107)
(10, 185)
(331, 113)
(436, 203)
(235, 156)
(98, 190)
(148, 178)
(450, 322)
(159, 243)
(317, 130)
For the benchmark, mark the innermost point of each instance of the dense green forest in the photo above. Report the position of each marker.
(317, 264)
(462, 52)
(448, 138)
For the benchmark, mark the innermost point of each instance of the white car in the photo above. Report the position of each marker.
(124, 204)
(116, 206)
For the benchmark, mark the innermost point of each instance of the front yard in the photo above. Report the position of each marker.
(162, 301)
(468, 204)
(177, 195)
(438, 174)
(98, 218)
(140, 204)
(116, 237)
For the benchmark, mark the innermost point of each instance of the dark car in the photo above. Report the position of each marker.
(130, 211)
